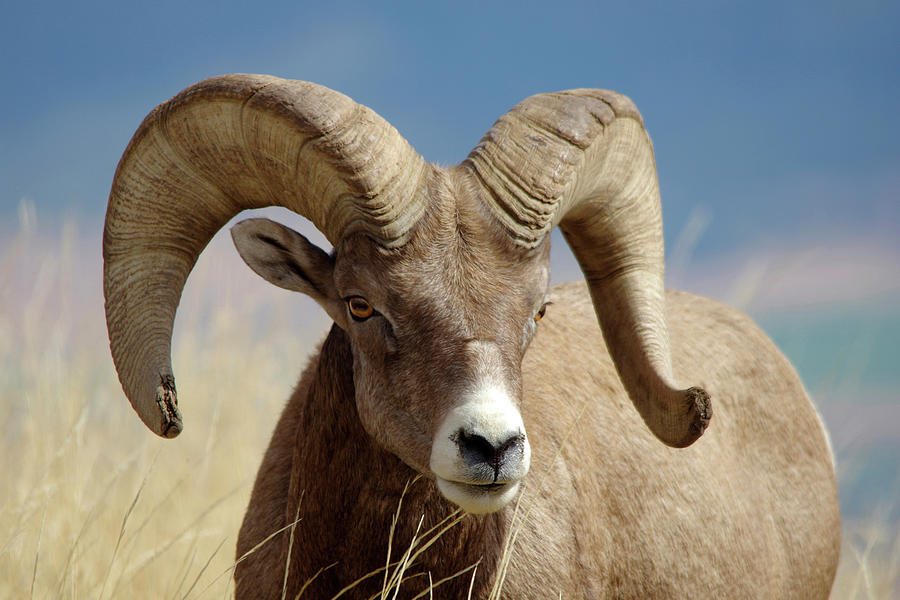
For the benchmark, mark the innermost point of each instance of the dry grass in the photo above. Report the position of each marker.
(94, 506)
(870, 561)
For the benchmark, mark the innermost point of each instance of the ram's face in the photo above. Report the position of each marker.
(438, 330)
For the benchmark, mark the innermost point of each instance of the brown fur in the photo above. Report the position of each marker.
(750, 510)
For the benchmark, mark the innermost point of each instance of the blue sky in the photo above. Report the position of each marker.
(764, 114)
(775, 125)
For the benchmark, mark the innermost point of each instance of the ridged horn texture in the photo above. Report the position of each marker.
(221, 146)
(581, 159)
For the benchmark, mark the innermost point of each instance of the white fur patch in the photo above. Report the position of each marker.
(490, 414)
(476, 501)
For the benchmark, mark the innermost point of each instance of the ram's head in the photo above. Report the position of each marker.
(438, 276)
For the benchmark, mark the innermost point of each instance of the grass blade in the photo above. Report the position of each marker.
(37, 553)
(203, 569)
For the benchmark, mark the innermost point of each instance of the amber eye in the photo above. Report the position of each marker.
(359, 307)
(540, 313)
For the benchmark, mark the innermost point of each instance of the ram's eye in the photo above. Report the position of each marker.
(540, 313)
(359, 308)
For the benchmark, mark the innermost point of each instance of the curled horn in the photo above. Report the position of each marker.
(581, 160)
(221, 146)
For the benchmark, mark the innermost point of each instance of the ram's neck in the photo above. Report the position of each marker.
(349, 490)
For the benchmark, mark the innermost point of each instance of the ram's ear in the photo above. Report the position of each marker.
(285, 258)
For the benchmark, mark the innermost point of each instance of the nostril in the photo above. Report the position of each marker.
(476, 450)
(511, 446)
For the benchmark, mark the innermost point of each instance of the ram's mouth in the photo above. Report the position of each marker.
(478, 498)
(476, 487)
(487, 486)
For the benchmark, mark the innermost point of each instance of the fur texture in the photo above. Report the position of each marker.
(749, 510)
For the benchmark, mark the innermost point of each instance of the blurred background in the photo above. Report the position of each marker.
(776, 132)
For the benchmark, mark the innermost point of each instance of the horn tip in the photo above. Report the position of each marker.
(702, 407)
(699, 413)
(172, 429)
(170, 424)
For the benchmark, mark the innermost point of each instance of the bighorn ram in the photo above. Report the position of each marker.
(442, 361)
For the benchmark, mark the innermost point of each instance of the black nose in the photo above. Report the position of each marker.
(487, 459)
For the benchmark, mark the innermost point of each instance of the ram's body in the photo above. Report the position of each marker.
(748, 511)
(569, 441)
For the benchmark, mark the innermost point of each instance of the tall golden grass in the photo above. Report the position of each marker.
(92, 505)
